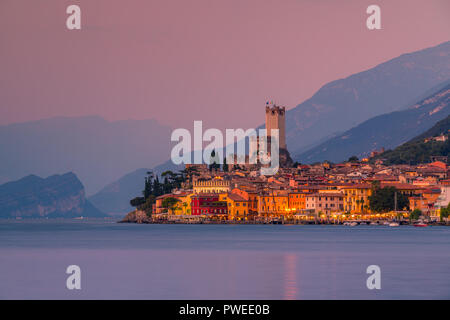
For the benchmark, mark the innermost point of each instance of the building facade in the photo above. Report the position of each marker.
(211, 186)
(208, 204)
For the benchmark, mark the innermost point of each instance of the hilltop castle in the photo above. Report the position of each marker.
(275, 119)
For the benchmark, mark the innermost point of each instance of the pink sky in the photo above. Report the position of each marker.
(184, 60)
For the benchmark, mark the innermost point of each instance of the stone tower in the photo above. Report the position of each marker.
(275, 119)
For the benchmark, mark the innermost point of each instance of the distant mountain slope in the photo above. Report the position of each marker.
(115, 197)
(99, 151)
(439, 128)
(345, 103)
(418, 150)
(388, 130)
(55, 196)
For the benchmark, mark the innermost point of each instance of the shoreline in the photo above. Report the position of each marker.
(287, 222)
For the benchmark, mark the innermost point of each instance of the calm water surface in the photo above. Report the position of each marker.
(129, 261)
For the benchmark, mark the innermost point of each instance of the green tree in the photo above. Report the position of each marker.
(213, 161)
(296, 164)
(383, 199)
(445, 212)
(148, 185)
(148, 205)
(415, 214)
(353, 159)
(170, 203)
(136, 202)
(154, 188)
(225, 165)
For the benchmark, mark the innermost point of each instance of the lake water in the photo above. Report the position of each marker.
(130, 261)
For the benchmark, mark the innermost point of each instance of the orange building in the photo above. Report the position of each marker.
(426, 201)
(297, 201)
(276, 203)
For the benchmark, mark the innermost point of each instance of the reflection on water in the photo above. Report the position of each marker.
(127, 261)
(290, 277)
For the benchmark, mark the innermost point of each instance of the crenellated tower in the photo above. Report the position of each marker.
(275, 119)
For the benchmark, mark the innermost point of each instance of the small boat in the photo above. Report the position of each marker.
(420, 224)
(394, 224)
(362, 223)
(373, 223)
(353, 224)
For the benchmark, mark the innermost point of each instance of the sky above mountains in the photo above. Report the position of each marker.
(179, 61)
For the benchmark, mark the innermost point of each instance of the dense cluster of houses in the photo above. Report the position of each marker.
(332, 191)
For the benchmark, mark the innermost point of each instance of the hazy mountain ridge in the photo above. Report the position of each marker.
(52, 197)
(345, 103)
(439, 128)
(115, 197)
(388, 130)
(98, 150)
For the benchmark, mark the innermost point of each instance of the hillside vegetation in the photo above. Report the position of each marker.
(419, 149)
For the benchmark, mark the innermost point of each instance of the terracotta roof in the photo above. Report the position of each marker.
(235, 197)
(337, 194)
(356, 186)
(400, 186)
(167, 195)
(206, 195)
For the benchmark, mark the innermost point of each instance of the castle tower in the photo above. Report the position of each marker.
(275, 119)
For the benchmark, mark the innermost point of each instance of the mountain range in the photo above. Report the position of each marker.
(115, 197)
(97, 150)
(384, 131)
(345, 103)
(53, 197)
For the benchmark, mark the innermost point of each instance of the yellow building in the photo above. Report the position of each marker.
(356, 197)
(276, 204)
(216, 185)
(184, 206)
(237, 206)
(252, 197)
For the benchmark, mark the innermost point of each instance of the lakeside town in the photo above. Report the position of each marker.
(357, 191)
(353, 192)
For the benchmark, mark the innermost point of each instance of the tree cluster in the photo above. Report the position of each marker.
(383, 199)
(154, 188)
